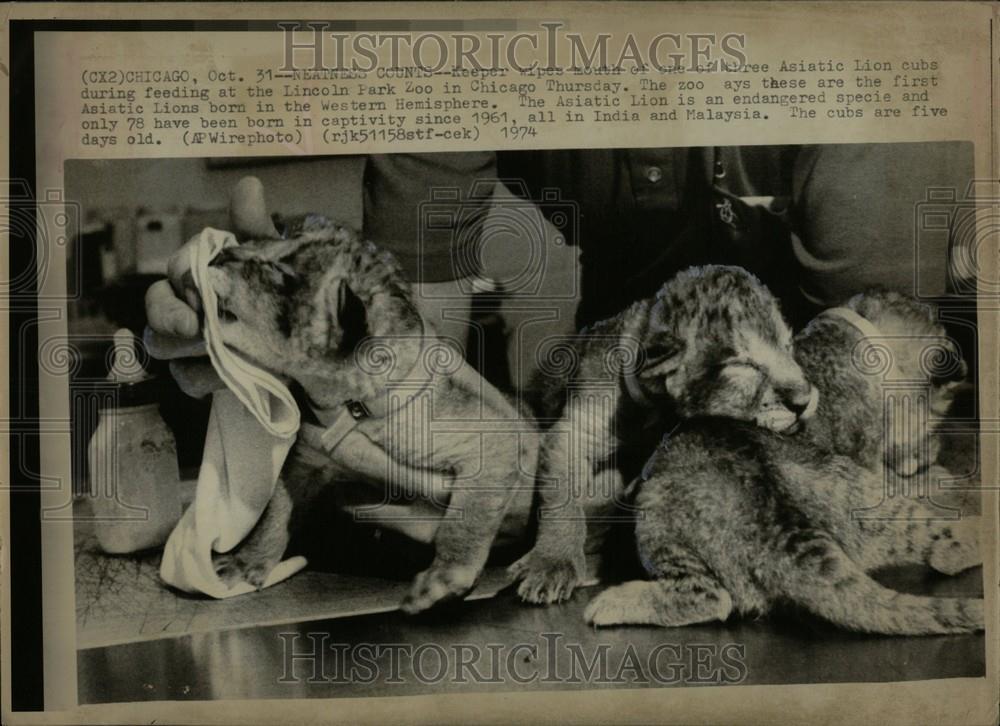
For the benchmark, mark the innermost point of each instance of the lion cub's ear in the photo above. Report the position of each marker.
(664, 353)
(340, 322)
(348, 316)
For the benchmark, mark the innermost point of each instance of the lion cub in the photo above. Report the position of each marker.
(736, 518)
(334, 314)
(711, 342)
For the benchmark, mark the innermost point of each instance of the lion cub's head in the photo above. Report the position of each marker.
(299, 307)
(716, 344)
(887, 380)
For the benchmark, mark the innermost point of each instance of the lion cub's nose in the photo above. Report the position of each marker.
(802, 401)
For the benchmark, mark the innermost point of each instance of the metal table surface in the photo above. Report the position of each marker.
(500, 644)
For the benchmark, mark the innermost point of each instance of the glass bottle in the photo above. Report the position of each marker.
(134, 479)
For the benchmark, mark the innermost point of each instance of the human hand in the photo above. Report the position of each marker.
(172, 305)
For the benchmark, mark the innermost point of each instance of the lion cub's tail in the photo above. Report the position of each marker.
(825, 581)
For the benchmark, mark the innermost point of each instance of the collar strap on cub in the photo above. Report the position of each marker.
(630, 379)
(862, 325)
(337, 422)
(634, 389)
(344, 418)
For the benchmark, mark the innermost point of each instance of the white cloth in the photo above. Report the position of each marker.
(251, 428)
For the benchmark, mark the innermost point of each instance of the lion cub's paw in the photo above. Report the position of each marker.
(614, 606)
(645, 602)
(545, 580)
(261, 550)
(956, 547)
(233, 568)
(437, 585)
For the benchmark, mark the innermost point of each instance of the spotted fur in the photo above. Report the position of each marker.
(737, 519)
(912, 357)
(331, 313)
(711, 342)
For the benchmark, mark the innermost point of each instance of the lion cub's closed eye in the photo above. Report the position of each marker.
(738, 519)
(711, 342)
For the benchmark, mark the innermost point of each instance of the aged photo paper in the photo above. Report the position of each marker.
(500, 362)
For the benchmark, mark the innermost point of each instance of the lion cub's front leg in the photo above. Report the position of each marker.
(261, 550)
(475, 511)
(556, 564)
